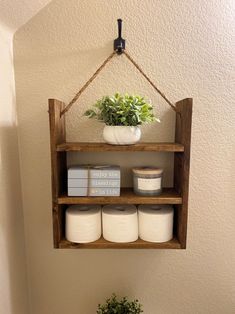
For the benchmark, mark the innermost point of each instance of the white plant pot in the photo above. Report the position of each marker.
(121, 135)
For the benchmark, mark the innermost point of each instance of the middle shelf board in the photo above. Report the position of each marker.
(168, 196)
(103, 147)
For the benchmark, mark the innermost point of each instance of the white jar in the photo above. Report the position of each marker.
(121, 135)
(147, 180)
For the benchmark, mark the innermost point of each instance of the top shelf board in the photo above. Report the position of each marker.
(101, 147)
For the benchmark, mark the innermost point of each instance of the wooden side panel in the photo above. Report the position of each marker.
(182, 165)
(58, 165)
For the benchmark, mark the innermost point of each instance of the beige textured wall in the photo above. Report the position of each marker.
(13, 286)
(188, 48)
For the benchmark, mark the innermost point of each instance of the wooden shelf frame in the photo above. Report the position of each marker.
(178, 195)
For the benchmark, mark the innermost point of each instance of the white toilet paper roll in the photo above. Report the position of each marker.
(83, 223)
(120, 223)
(156, 222)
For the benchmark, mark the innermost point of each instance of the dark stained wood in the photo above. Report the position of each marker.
(182, 166)
(168, 196)
(103, 147)
(178, 196)
(58, 164)
(103, 244)
(58, 213)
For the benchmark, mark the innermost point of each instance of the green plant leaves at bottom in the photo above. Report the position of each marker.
(122, 306)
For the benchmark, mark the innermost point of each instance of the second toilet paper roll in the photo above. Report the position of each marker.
(156, 222)
(120, 223)
(83, 223)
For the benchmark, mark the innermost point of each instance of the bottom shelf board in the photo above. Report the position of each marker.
(104, 244)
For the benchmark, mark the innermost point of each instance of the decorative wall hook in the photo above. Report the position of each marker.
(119, 43)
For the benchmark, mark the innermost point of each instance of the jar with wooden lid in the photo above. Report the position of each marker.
(147, 180)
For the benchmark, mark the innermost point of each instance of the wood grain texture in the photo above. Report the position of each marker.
(103, 244)
(178, 196)
(103, 147)
(168, 196)
(58, 164)
(182, 166)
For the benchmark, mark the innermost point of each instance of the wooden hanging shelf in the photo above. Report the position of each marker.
(177, 195)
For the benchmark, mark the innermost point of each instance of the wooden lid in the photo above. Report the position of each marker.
(147, 170)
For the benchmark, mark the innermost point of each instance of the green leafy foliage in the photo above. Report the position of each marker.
(123, 110)
(122, 306)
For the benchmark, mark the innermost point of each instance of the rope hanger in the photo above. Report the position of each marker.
(119, 48)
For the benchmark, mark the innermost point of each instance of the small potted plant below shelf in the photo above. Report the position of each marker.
(122, 115)
(122, 306)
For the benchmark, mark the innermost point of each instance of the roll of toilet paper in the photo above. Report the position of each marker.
(155, 222)
(83, 223)
(120, 223)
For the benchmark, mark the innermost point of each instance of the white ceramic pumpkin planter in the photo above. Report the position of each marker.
(121, 135)
(122, 115)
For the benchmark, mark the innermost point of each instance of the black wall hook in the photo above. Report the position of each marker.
(119, 43)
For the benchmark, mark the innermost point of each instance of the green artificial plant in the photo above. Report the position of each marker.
(122, 306)
(122, 110)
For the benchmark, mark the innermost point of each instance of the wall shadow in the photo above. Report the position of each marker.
(12, 244)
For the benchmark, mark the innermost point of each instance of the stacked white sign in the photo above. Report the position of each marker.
(94, 181)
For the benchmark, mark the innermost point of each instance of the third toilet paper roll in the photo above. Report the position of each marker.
(120, 223)
(156, 222)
